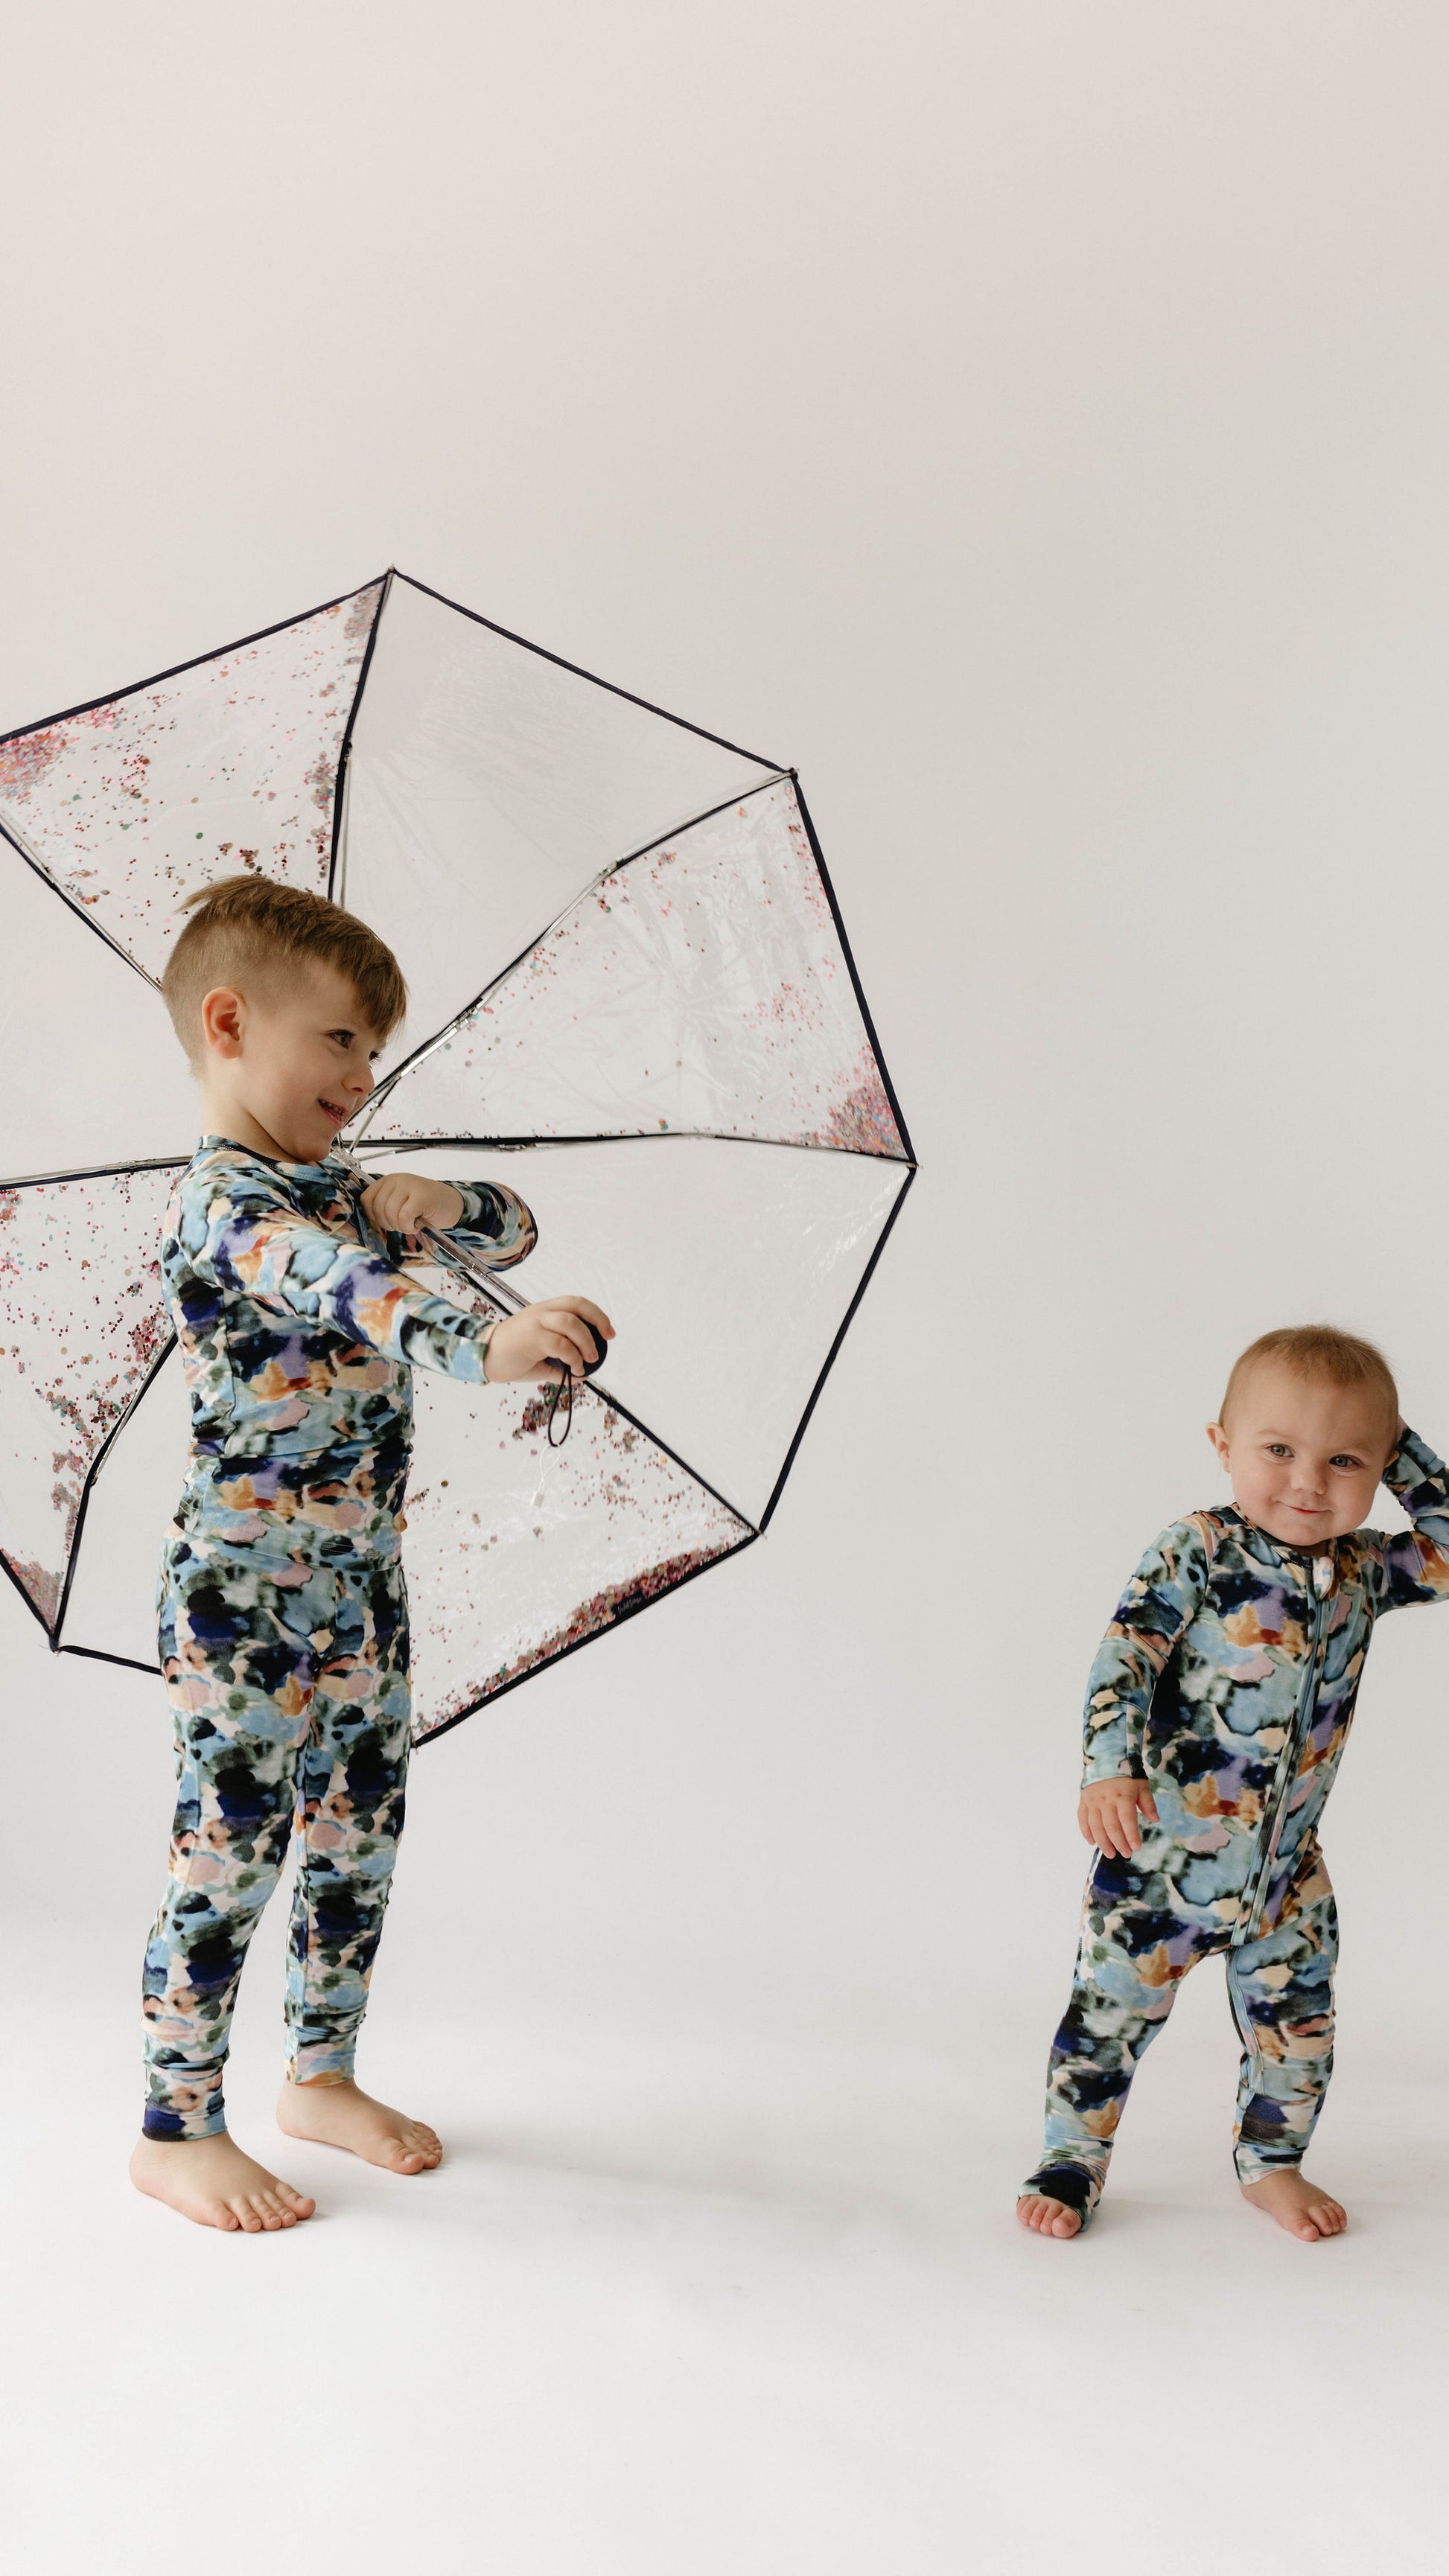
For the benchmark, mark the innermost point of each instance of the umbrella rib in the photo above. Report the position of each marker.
(94, 1469)
(479, 1275)
(193, 663)
(98, 1172)
(830, 1357)
(430, 1045)
(24, 851)
(487, 1697)
(632, 1136)
(580, 673)
(337, 861)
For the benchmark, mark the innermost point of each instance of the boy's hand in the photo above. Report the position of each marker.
(556, 1329)
(1108, 1814)
(405, 1201)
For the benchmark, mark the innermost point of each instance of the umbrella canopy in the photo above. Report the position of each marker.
(628, 977)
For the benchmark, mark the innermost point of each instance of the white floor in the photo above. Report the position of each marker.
(713, 2309)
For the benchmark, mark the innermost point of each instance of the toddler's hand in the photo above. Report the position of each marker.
(1108, 1814)
(525, 1344)
(404, 1201)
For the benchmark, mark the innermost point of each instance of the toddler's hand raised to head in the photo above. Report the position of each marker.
(557, 1330)
(1108, 1814)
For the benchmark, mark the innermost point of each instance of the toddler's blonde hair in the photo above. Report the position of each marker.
(1321, 1353)
(249, 930)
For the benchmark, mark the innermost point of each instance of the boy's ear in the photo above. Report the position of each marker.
(221, 1020)
(1219, 1438)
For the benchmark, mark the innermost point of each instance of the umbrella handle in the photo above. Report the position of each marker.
(561, 1387)
(478, 1275)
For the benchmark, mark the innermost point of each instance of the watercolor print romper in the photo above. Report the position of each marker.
(281, 1608)
(1227, 1681)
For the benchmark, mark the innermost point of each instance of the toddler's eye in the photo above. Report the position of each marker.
(1279, 1449)
(1351, 1463)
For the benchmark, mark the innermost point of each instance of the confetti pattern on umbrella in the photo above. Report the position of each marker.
(631, 995)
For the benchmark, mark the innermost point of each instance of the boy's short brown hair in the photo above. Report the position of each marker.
(250, 930)
(1321, 1352)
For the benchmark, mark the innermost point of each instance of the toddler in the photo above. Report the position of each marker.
(1217, 1709)
(281, 1606)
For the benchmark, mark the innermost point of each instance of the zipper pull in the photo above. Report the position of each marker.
(1323, 1571)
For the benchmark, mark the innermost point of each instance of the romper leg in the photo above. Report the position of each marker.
(1136, 1948)
(351, 1796)
(1281, 1990)
(237, 1660)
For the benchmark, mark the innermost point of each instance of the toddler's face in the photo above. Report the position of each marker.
(298, 1064)
(1305, 1459)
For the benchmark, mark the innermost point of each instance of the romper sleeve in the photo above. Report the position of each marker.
(1416, 1561)
(1163, 1597)
(495, 1223)
(250, 1238)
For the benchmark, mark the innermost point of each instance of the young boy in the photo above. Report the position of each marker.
(1217, 1709)
(282, 1611)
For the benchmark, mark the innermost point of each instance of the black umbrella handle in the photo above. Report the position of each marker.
(478, 1275)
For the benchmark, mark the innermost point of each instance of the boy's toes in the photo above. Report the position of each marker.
(1066, 2222)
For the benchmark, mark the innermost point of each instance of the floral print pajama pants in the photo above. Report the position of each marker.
(288, 1684)
(1139, 1939)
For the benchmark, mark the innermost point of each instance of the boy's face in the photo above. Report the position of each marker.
(1305, 1458)
(290, 1064)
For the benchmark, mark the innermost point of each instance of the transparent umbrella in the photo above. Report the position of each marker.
(631, 995)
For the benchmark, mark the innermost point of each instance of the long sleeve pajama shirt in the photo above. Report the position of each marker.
(1227, 1682)
(281, 1605)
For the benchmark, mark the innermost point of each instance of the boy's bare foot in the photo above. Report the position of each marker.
(1048, 2217)
(1297, 2204)
(342, 2115)
(210, 2180)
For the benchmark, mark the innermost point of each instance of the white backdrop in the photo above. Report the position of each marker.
(1030, 421)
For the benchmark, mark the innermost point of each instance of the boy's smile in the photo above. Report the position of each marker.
(1305, 1456)
(287, 1065)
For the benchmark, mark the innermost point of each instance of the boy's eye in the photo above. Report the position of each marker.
(1344, 1461)
(1279, 1449)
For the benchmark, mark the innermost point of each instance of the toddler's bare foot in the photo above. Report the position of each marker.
(1297, 2204)
(1048, 2217)
(342, 2115)
(210, 2180)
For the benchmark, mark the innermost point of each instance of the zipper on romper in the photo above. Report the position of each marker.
(1287, 1771)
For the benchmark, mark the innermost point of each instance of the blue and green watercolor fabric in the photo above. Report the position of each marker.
(1227, 1680)
(282, 1618)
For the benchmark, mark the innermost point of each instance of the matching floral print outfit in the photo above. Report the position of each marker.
(281, 1606)
(1227, 1681)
